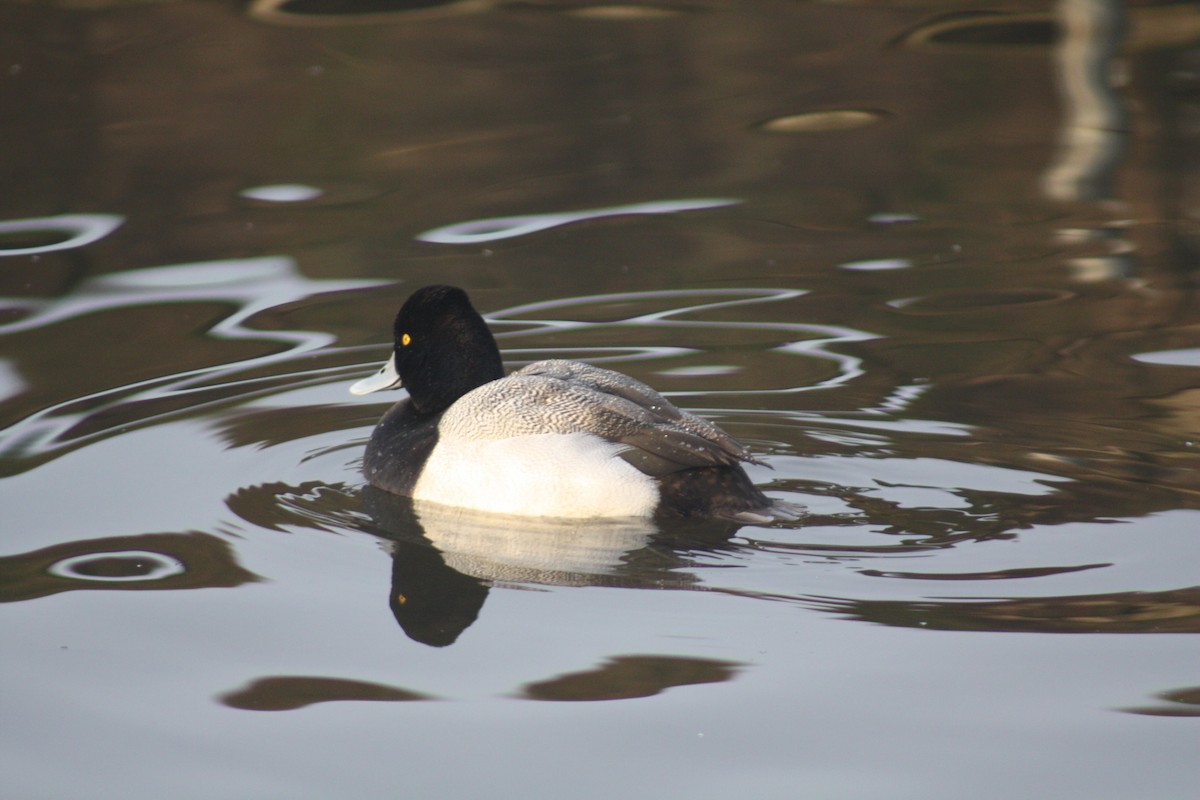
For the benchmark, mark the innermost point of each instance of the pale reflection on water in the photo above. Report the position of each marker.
(69, 231)
(252, 286)
(492, 230)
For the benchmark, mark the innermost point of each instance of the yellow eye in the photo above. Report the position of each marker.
(405, 339)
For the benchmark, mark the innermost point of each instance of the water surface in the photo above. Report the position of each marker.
(936, 268)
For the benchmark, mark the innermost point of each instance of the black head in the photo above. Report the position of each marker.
(443, 348)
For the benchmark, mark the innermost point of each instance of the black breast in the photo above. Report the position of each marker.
(399, 447)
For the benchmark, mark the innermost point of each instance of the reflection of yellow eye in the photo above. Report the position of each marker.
(405, 339)
(401, 599)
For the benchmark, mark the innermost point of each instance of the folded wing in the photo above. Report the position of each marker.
(571, 397)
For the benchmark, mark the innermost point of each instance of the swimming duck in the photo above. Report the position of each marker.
(554, 439)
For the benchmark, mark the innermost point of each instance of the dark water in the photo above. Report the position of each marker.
(937, 267)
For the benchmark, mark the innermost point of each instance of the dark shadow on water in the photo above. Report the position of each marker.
(151, 561)
(986, 29)
(1178, 703)
(290, 692)
(1172, 611)
(627, 677)
(340, 12)
(279, 506)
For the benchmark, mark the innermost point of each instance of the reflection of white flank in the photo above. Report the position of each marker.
(496, 547)
(83, 229)
(251, 285)
(490, 230)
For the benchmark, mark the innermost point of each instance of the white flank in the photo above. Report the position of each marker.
(574, 475)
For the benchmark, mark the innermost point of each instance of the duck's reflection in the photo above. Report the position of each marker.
(445, 560)
(432, 602)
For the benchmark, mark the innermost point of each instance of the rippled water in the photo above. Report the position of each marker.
(936, 268)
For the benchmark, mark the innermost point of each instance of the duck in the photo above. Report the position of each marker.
(556, 438)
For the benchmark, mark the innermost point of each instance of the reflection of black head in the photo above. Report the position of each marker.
(432, 602)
